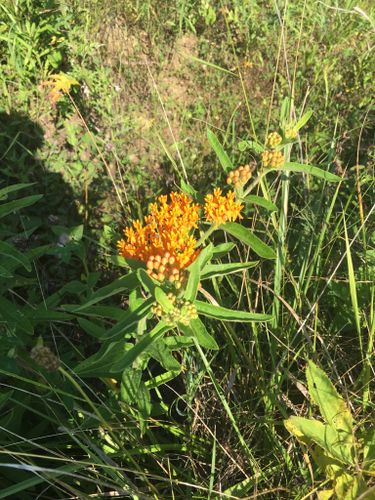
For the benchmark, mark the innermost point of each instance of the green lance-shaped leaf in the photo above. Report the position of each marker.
(127, 282)
(303, 120)
(252, 199)
(15, 205)
(106, 362)
(12, 253)
(331, 405)
(197, 329)
(222, 249)
(225, 314)
(146, 340)
(313, 431)
(11, 189)
(220, 152)
(310, 169)
(246, 236)
(214, 270)
(193, 281)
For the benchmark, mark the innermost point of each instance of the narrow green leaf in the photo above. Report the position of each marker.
(303, 120)
(192, 285)
(259, 200)
(220, 152)
(222, 249)
(12, 253)
(309, 169)
(213, 270)
(146, 340)
(246, 236)
(225, 314)
(147, 282)
(127, 282)
(14, 187)
(92, 328)
(13, 206)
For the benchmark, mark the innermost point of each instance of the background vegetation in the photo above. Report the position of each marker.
(152, 77)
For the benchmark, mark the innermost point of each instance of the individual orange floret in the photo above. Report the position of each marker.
(221, 209)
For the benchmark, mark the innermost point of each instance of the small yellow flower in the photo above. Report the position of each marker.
(221, 209)
(290, 131)
(60, 84)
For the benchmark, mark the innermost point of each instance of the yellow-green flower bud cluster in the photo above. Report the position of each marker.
(44, 357)
(239, 176)
(273, 159)
(163, 268)
(290, 131)
(273, 140)
(183, 311)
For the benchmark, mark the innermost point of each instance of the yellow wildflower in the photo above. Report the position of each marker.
(221, 209)
(60, 84)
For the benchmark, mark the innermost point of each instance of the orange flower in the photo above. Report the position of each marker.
(164, 242)
(221, 209)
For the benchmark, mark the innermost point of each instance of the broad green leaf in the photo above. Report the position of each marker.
(11, 189)
(259, 200)
(13, 206)
(225, 314)
(331, 405)
(197, 329)
(220, 152)
(311, 430)
(325, 494)
(127, 282)
(246, 236)
(213, 270)
(222, 249)
(309, 169)
(349, 487)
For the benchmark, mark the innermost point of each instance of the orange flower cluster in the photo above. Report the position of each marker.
(221, 209)
(164, 242)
